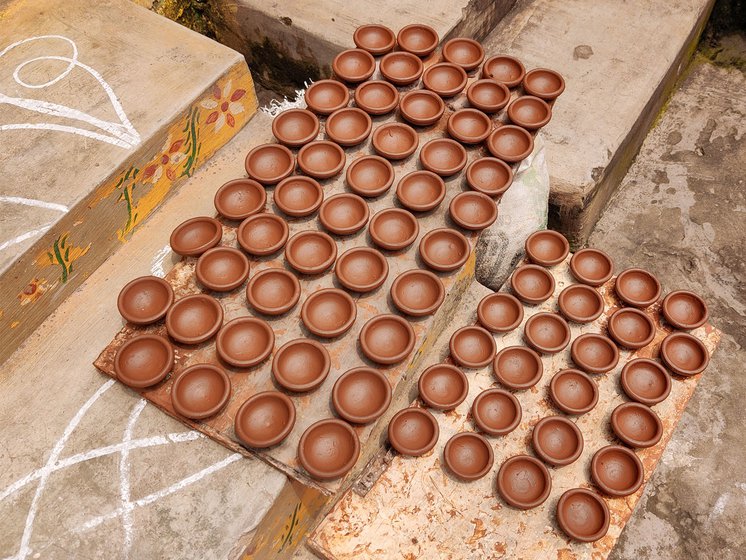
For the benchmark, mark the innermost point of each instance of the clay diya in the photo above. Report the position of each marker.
(488, 95)
(444, 249)
(529, 112)
(469, 126)
(468, 456)
(348, 126)
(631, 328)
(496, 412)
(547, 333)
(265, 419)
(583, 515)
(222, 269)
(361, 269)
(413, 431)
(344, 214)
(443, 156)
(144, 361)
(194, 319)
(326, 96)
(195, 236)
(443, 387)
(467, 53)
(295, 127)
(524, 482)
(328, 449)
(328, 313)
(594, 353)
(517, 367)
(370, 176)
(401, 68)
(645, 381)
(684, 354)
(490, 176)
(510, 143)
(376, 97)
(617, 471)
(374, 38)
(557, 441)
(395, 140)
(298, 196)
(636, 425)
(245, 342)
(472, 347)
(354, 65)
(532, 284)
(301, 365)
(361, 395)
(580, 303)
(421, 107)
(311, 252)
(240, 198)
(269, 163)
(500, 312)
(573, 391)
(637, 287)
(273, 291)
(145, 300)
(544, 83)
(685, 310)
(421, 191)
(444, 79)
(547, 247)
(473, 210)
(200, 391)
(321, 159)
(262, 234)
(387, 339)
(417, 292)
(504, 69)
(418, 39)
(591, 266)
(393, 229)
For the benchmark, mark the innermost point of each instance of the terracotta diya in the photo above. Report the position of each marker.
(361, 269)
(443, 156)
(467, 53)
(413, 431)
(469, 126)
(269, 163)
(472, 347)
(417, 292)
(326, 96)
(354, 65)
(645, 381)
(496, 412)
(468, 456)
(348, 126)
(504, 69)
(421, 191)
(617, 470)
(328, 313)
(524, 482)
(376, 97)
(311, 252)
(393, 229)
(298, 196)
(265, 419)
(684, 354)
(547, 247)
(370, 176)
(240, 198)
(387, 339)
(401, 68)
(580, 303)
(143, 361)
(490, 176)
(262, 234)
(631, 328)
(517, 367)
(374, 38)
(532, 284)
(361, 395)
(557, 441)
(573, 391)
(488, 95)
(685, 310)
(245, 342)
(636, 425)
(583, 515)
(328, 449)
(500, 312)
(421, 107)
(273, 291)
(591, 266)
(443, 386)
(195, 236)
(321, 159)
(510, 143)
(200, 391)
(444, 249)
(295, 127)
(194, 319)
(145, 300)
(594, 353)
(473, 210)
(395, 140)
(544, 83)
(637, 287)
(547, 333)
(529, 112)
(222, 269)
(344, 214)
(301, 365)
(444, 79)
(417, 38)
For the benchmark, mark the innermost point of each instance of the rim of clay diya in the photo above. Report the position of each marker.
(178, 335)
(230, 199)
(285, 378)
(481, 420)
(547, 247)
(495, 103)
(533, 340)
(532, 88)
(353, 376)
(416, 277)
(226, 350)
(499, 298)
(544, 448)
(517, 70)
(478, 353)
(423, 179)
(298, 196)
(597, 257)
(252, 440)
(185, 377)
(464, 52)
(222, 269)
(672, 362)
(525, 293)
(364, 176)
(325, 168)
(354, 65)
(527, 462)
(587, 350)
(266, 275)
(327, 219)
(529, 112)
(619, 428)
(378, 233)
(514, 383)
(568, 516)
(636, 377)
(318, 96)
(432, 258)
(630, 281)
(377, 346)
(574, 313)
(478, 173)
(360, 258)
(409, 102)
(598, 473)
(375, 38)
(336, 122)
(331, 446)
(518, 134)
(418, 38)
(362, 97)
(395, 152)
(315, 298)
(469, 206)
(441, 79)
(127, 370)
(300, 259)
(432, 156)
(394, 64)
(675, 304)
(138, 285)
(281, 164)
(399, 420)
(581, 378)
(469, 126)
(300, 118)
(255, 220)
(450, 377)
(620, 337)
(460, 456)
(186, 228)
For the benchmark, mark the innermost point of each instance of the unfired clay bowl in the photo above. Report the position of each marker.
(348, 126)
(295, 127)
(469, 126)
(631, 328)
(393, 229)
(617, 471)
(298, 196)
(344, 214)
(580, 303)
(376, 97)
(387, 339)
(145, 300)
(467, 53)
(311, 252)
(413, 431)
(500, 312)
(200, 391)
(395, 140)
(645, 381)
(637, 287)
(328, 449)
(354, 65)
(273, 291)
(144, 361)
(472, 347)
(443, 156)
(269, 163)
(547, 247)
(401, 68)
(532, 284)
(245, 342)
(473, 210)
(544, 83)
(417, 292)
(195, 236)
(421, 191)
(557, 440)
(444, 79)
(488, 95)
(504, 69)
(262, 234)
(517, 367)
(443, 386)
(684, 354)
(444, 249)
(240, 198)
(194, 319)
(321, 159)
(417, 38)
(496, 412)
(490, 176)
(685, 310)
(636, 425)
(326, 96)
(222, 269)
(594, 353)
(361, 269)
(301, 365)
(510, 143)
(573, 391)
(265, 419)
(591, 266)
(468, 456)
(529, 112)
(329, 313)
(421, 107)
(524, 482)
(370, 176)
(361, 395)
(583, 515)
(374, 38)
(547, 333)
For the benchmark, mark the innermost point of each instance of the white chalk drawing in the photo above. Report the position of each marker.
(36, 231)
(121, 134)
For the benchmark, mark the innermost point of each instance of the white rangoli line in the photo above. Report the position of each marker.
(24, 236)
(69, 129)
(124, 476)
(34, 202)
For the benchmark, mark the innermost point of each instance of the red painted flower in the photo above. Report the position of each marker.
(171, 155)
(225, 104)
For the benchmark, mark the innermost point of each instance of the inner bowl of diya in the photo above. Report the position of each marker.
(544, 83)
(421, 107)
(245, 342)
(580, 303)
(321, 159)
(631, 328)
(413, 431)
(144, 361)
(262, 234)
(591, 266)
(473, 210)
(311, 252)
(488, 95)
(387, 339)
(265, 419)
(418, 38)
(145, 300)
(194, 319)
(472, 347)
(222, 269)
(490, 176)
(344, 214)
(583, 515)
(573, 391)
(532, 284)
(269, 164)
(505, 69)
(557, 440)
(500, 312)
(685, 310)
(443, 156)
(328, 449)
(421, 191)
(301, 365)
(361, 269)
(240, 198)
(443, 386)
(298, 196)
(348, 126)
(637, 287)
(517, 367)
(200, 391)
(468, 456)
(295, 127)
(374, 38)
(401, 68)
(594, 353)
(510, 143)
(617, 470)
(547, 247)
(469, 126)
(444, 249)
(684, 354)
(417, 292)
(466, 53)
(376, 97)
(395, 140)
(326, 96)
(354, 65)
(496, 412)
(393, 229)
(370, 176)
(524, 482)
(329, 313)
(361, 395)
(195, 236)
(645, 381)
(444, 79)
(529, 112)
(636, 425)
(273, 291)
(547, 333)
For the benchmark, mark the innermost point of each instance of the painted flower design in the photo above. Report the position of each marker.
(224, 105)
(170, 156)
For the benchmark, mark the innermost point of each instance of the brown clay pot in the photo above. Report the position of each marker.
(544, 83)
(580, 303)
(195, 236)
(370, 176)
(413, 431)
(200, 391)
(417, 292)
(645, 381)
(421, 191)
(443, 156)
(387, 339)
(393, 229)
(490, 176)
(684, 354)
(517, 367)
(326, 96)
(467, 53)
(468, 456)
(240, 198)
(361, 395)
(510, 143)
(469, 126)
(637, 287)
(488, 95)
(222, 269)
(328, 449)
(262, 234)
(245, 342)
(421, 107)
(395, 140)
(269, 163)
(529, 112)
(301, 365)
(532, 284)
(473, 210)
(547, 247)
(144, 361)
(374, 38)
(500, 312)
(594, 353)
(418, 38)
(547, 333)
(557, 441)
(361, 269)
(311, 252)
(505, 69)
(265, 419)
(145, 300)
(617, 471)
(583, 515)
(348, 126)
(401, 68)
(524, 482)
(573, 391)
(344, 214)
(295, 127)
(591, 266)
(444, 249)
(631, 328)
(329, 313)
(194, 319)
(376, 97)
(685, 310)
(444, 79)
(636, 425)
(354, 65)
(472, 347)
(496, 412)
(273, 291)
(298, 196)
(321, 159)
(443, 386)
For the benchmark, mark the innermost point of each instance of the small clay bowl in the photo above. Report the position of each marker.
(524, 482)
(194, 319)
(328, 449)
(145, 300)
(374, 38)
(473, 210)
(580, 303)
(361, 269)
(222, 269)
(444, 79)
(532, 283)
(344, 214)
(240, 198)
(472, 347)
(517, 367)
(467, 53)
(510, 143)
(395, 140)
(328, 313)
(594, 353)
(354, 65)
(637, 287)
(547, 333)
(361, 395)
(685, 310)
(421, 107)
(393, 229)
(262, 234)
(500, 312)
(376, 97)
(583, 515)
(557, 441)
(421, 191)
(469, 126)
(496, 412)
(413, 431)
(444, 249)
(547, 247)
(269, 163)
(370, 176)
(417, 292)
(401, 68)
(301, 365)
(490, 176)
(144, 361)
(505, 69)
(418, 38)
(298, 196)
(321, 159)
(591, 266)
(645, 381)
(617, 471)
(295, 127)
(443, 386)
(200, 391)
(573, 391)
(443, 156)
(488, 95)
(684, 354)
(543, 83)
(245, 342)
(195, 236)
(529, 112)
(631, 328)
(311, 252)
(348, 126)
(387, 339)
(273, 291)
(326, 96)
(636, 425)
(265, 419)
(468, 456)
